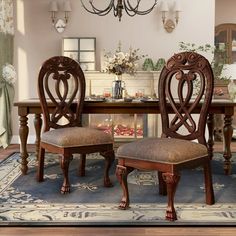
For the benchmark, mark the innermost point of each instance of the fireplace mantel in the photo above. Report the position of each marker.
(97, 81)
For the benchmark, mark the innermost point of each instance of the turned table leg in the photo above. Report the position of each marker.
(210, 125)
(23, 132)
(228, 132)
(38, 127)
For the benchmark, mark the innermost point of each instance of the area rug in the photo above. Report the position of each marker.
(24, 201)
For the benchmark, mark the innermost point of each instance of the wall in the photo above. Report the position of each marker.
(36, 39)
(225, 11)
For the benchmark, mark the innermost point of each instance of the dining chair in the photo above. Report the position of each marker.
(177, 148)
(61, 82)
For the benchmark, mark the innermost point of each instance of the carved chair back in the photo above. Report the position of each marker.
(182, 74)
(60, 82)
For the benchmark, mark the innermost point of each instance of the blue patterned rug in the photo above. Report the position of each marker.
(24, 201)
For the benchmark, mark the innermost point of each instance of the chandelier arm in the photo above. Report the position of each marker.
(131, 11)
(135, 9)
(97, 11)
(108, 9)
(144, 12)
(115, 12)
(118, 6)
(129, 7)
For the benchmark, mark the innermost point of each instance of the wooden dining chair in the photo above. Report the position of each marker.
(61, 82)
(175, 150)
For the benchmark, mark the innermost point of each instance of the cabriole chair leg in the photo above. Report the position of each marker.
(65, 162)
(162, 184)
(210, 199)
(40, 169)
(109, 159)
(82, 163)
(122, 174)
(171, 182)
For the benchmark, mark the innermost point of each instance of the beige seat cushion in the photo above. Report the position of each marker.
(168, 150)
(76, 136)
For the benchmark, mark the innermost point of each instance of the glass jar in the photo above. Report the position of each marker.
(117, 87)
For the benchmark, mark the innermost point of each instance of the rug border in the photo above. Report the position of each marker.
(118, 224)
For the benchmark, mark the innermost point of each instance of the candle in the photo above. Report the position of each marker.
(90, 88)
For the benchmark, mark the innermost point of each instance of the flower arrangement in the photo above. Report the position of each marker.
(9, 73)
(120, 62)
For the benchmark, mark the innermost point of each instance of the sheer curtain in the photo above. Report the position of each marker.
(7, 73)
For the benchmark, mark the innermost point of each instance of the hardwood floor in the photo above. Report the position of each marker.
(123, 231)
(113, 231)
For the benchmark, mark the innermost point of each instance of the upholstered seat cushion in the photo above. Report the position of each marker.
(167, 150)
(76, 136)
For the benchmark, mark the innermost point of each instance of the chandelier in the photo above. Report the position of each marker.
(118, 6)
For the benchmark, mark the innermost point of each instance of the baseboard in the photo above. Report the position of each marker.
(16, 139)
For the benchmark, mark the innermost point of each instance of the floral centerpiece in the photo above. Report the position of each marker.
(120, 62)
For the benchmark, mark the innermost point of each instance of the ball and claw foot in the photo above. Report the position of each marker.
(65, 189)
(123, 204)
(40, 179)
(108, 183)
(171, 215)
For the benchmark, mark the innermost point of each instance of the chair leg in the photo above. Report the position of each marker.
(65, 161)
(162, 184)
(40, 169)
(82, 163)
(109, 159)
(210, 198)
(121, 174)
(171, 182)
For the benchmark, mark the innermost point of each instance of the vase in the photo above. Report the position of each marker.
(118, 86)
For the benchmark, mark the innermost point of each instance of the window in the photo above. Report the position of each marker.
(82, 50)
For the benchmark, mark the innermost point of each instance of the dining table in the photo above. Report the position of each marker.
(119, 106)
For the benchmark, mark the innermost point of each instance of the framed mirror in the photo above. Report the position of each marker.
(82, 50)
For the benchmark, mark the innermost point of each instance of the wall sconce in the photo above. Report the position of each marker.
(169, 24)
(60, 24)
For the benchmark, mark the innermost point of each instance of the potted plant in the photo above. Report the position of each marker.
(217, 64)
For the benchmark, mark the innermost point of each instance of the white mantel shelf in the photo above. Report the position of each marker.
(97, 81)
